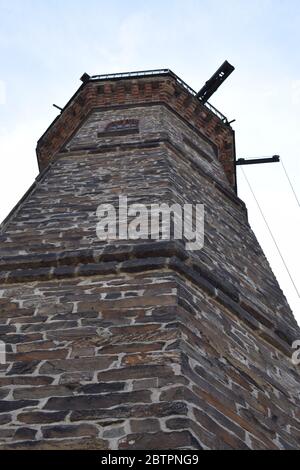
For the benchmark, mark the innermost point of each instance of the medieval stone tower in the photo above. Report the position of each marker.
(140, 344)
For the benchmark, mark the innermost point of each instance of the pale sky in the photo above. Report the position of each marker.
(46, 45)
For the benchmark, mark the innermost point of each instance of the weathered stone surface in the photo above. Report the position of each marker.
(139, 411)
(41, 417)
(25, 380)
(76, 377)
(102, 388)
(19, 368)
(81, 364)
(4, 419)
(62, 431)
(32, 347)
(3, 393)
(90, 402)
(136, 344)
(160, 440)
(114, 433)
(19, 338)
(60, 444)
(43, 392)
(40, 355)
(7, 434)
(6, 406)
(135, 372)
(25, 433)
(145, 425)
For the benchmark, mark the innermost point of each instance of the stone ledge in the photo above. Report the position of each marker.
(148, 257)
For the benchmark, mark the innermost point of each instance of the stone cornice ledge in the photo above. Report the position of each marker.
(112, 260)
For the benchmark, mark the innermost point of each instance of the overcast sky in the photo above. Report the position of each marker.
(46, 45)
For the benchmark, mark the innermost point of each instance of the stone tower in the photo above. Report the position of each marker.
(140, 344)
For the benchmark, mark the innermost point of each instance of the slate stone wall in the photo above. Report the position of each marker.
(140, 344)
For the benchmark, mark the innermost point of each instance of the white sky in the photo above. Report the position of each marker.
(46, 45)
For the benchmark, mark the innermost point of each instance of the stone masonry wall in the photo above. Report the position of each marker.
(139, 361)
(141, 344)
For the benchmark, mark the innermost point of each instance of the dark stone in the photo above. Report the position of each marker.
(4, 329)
(157, 410)
(144, 425)
(112, 296)
(61, 431)
(25, 380)
(92, 402)
(178, 423)
(78, 364)
(25, 368)
(43, 392)
(3, 393)
(25, 433)
(40, 417)
(160, 440)
(102, 388)
(5, 419)
(19, 338)
(136, 372)
(6, 406)
(60, 444)
(56, 325)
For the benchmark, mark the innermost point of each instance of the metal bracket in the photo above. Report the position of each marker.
(57, 107)
(254, 161)
(215, 81)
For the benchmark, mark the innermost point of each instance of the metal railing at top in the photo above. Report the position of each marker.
(146, 73)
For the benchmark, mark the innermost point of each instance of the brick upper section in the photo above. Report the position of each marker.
(136, 91)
